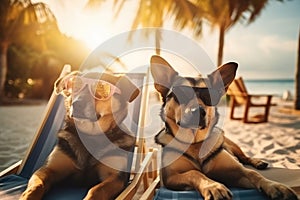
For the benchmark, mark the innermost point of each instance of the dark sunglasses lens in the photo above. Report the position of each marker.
(183, 94)
(210, 97)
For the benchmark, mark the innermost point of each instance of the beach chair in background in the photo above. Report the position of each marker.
(239, 96)
(13, 180)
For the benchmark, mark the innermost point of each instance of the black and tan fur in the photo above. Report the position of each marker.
(202, 158)
(92, 149)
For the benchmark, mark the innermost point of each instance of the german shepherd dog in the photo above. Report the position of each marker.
(91, 148)
(195, 153)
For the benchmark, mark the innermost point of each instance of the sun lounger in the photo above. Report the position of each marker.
(14, 180)
(290, 177)
(239, 96)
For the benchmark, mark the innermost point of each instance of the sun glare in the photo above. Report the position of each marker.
(91, 33)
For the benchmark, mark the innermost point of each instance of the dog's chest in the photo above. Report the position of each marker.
(198, 153)
(87, 150)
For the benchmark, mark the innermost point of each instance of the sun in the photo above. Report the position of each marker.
(93, 39)
(92, 34)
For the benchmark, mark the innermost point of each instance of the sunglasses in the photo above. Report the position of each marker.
(99, 89)
(183, 94)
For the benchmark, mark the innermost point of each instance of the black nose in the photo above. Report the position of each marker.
(84, 106)
(201, 111)
(193, 117)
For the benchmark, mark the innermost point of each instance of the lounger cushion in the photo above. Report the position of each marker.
(245, 194)
(12, 186)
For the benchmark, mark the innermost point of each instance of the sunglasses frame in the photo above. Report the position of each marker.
(183, 90)
(90, 82)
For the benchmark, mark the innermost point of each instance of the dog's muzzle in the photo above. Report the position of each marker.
(83, 106)
(193, 117)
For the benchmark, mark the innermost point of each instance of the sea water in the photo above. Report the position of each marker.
(272, 86)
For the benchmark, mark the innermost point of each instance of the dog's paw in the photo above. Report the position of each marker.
(278, 191)
(216, 191)
(261, 165)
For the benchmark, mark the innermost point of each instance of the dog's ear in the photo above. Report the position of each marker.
(129, 91)
(163, 74)
(60, 84)
(221, 78)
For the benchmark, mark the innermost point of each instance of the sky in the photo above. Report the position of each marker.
(264, 49)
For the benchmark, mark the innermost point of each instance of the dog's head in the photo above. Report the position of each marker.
(96, 99)
(189, 103)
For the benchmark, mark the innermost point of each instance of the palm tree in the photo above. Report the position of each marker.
(221, 14)
(153, 13)
(224, 14)
(17, 19)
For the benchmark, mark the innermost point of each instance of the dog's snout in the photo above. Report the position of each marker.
(196, 111)
(193, 117)
(78, 104)
(83, 106)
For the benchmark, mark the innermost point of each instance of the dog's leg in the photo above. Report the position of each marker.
(58, 166)
(181, 174)
(114, 179)
(194, 179)
(273, 189)
(235, 150)
(233, 173)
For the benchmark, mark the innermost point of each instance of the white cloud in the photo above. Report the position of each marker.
(271, 43)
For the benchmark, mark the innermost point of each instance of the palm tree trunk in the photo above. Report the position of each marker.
(221, 44)
(157, 41)
(297, 92)
(3, 67)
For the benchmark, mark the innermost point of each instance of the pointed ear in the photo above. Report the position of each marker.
(60, 84)
(129, 90)
(223, 76)
(163, 74)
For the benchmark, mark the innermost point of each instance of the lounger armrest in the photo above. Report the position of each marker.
(132, 188)
(150, 192)
(11, 169)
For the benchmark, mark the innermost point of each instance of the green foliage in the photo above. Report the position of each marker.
(37, 50)
(32, 70)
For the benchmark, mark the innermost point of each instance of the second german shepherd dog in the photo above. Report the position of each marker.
(92, 147)
(196, 154)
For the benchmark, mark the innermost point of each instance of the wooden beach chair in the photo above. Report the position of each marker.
(13, 180)
(239, 96)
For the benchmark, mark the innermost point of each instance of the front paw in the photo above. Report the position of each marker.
(278, 191)
(216, 191)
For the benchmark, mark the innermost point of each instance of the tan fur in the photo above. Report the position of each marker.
(204, 159)
(84, 168)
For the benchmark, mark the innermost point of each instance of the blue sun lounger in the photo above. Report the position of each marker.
(13, 181)
(290, 177)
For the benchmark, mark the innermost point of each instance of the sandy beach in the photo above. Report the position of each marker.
(277, 142)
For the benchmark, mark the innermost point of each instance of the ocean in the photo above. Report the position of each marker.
(272, 86)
